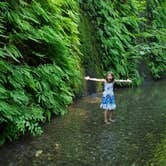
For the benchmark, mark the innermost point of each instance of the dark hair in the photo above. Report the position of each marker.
(112, 80)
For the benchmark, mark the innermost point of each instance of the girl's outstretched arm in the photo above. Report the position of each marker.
(128, 81)
(94, 79)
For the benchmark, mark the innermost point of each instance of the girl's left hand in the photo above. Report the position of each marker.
(128, 80)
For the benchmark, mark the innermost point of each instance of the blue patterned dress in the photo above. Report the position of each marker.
(108, 100)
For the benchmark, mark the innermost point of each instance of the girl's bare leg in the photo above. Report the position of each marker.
(105, 116)
(110, 116)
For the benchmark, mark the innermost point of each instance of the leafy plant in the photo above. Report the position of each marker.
(39, 63)
(154, 45)
(116, 24)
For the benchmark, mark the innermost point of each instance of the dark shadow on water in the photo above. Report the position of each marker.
(137, 138)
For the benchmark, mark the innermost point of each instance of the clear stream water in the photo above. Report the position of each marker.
(137, 138)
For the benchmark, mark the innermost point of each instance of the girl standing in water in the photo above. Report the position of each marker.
(108, 100)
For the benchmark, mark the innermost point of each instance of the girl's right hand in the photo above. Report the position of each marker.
(87, 78)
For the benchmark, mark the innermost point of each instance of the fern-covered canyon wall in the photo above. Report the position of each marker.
(89, 47)
(153, 47)
(128, 33)
(39, 63)
(116, 25)
(46, 48)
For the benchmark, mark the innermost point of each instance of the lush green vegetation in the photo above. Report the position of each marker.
(39, 63)
(116, 24)
(90, 57)
(159, 154)
(153, 47)
(45, 47)
(129, 33)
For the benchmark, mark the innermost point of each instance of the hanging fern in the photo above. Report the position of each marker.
(155, 50)
(116, 24)
(127, 33)
(39, 63)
